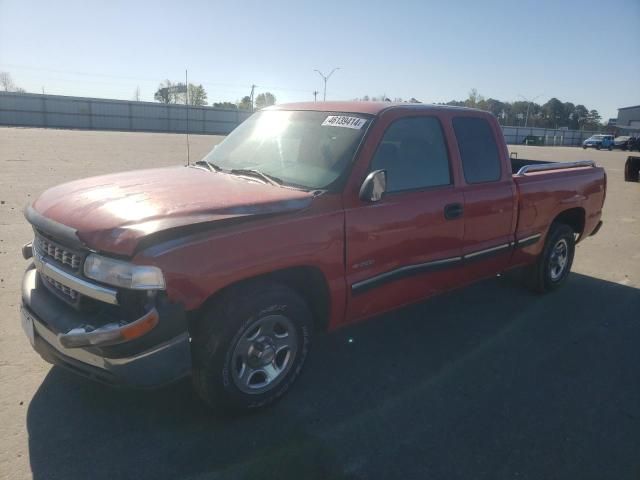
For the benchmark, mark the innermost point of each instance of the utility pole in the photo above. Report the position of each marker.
(186, 102)
(253, 89)
(529, 102)
(325, 78)
(315, 96)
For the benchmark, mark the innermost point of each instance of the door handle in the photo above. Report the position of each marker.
(453, 210)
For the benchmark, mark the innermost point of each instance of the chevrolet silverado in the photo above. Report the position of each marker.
(306, 218)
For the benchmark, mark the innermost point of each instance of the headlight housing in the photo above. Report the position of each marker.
(123, 274)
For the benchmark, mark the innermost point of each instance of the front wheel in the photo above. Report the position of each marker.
(250, 347)
(554, 263)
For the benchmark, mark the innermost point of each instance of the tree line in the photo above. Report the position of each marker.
(552, 114)
(177, 92)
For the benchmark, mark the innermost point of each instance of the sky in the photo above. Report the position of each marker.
(584, 52)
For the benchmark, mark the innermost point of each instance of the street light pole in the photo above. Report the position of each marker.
(325, 78)
(529, 102)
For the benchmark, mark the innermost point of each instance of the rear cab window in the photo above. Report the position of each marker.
(478, 149)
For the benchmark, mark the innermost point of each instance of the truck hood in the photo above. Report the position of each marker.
(112, 213)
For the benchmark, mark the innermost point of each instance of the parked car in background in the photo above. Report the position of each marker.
(533, 140)
(598, 142)
(306, 218)
(622, 142)
(633, 144)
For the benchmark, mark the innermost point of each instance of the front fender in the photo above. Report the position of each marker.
(200, 265)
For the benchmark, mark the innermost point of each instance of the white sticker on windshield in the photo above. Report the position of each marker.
(344, 121)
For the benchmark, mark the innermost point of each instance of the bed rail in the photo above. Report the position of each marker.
(554, 166)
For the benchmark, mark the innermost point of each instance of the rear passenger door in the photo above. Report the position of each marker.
(404, 247)
(489, 197)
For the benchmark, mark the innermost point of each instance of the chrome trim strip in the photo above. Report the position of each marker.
(487, 250)
(554, 166)
(402, 271)
(435, 263)
(98, 292)
(528, 239)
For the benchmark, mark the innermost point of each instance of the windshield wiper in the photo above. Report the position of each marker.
(209, 166)
(250, 172)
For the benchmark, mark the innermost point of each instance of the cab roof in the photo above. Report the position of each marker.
(363, 107)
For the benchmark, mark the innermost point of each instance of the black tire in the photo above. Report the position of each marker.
(542, 276)
(233, 318)
(584, 147)
(598, 147)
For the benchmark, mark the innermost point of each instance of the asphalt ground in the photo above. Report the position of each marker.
(490, 382)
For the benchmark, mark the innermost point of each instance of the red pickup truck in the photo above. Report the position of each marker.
(306, 218)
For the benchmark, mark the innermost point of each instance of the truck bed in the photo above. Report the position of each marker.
(549, 188)
(518, 163)
(523, 166)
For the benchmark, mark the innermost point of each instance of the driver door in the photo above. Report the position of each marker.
(405, 247)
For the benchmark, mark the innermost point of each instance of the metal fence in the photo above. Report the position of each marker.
(545, 136)
(56, 111)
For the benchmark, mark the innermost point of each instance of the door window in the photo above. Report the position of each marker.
(414, 154)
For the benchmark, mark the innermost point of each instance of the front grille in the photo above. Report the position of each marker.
(64, 258)
(58, 253)
(69, 293)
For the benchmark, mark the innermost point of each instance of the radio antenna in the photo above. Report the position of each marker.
(186, 102)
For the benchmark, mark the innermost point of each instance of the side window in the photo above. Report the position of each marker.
(478, 149)
(414, 154)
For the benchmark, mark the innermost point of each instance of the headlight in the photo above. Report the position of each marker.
(123, 274)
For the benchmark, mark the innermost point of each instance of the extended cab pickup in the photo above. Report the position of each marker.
(306, 218)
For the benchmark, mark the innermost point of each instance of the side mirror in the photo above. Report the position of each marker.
(374, 186)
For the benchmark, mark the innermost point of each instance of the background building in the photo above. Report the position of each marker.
(629, 119)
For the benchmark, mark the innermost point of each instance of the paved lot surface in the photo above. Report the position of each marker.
(490, 382)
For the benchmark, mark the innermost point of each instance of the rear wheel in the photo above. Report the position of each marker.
(250, 346)
(554, 263)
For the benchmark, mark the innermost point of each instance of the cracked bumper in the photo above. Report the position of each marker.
(44, 317)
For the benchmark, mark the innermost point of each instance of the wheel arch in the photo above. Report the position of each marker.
(574, 218)
(307, 281)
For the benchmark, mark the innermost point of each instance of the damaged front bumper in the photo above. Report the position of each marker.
(62, 336)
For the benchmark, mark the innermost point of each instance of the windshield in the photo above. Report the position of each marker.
(300, 148)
